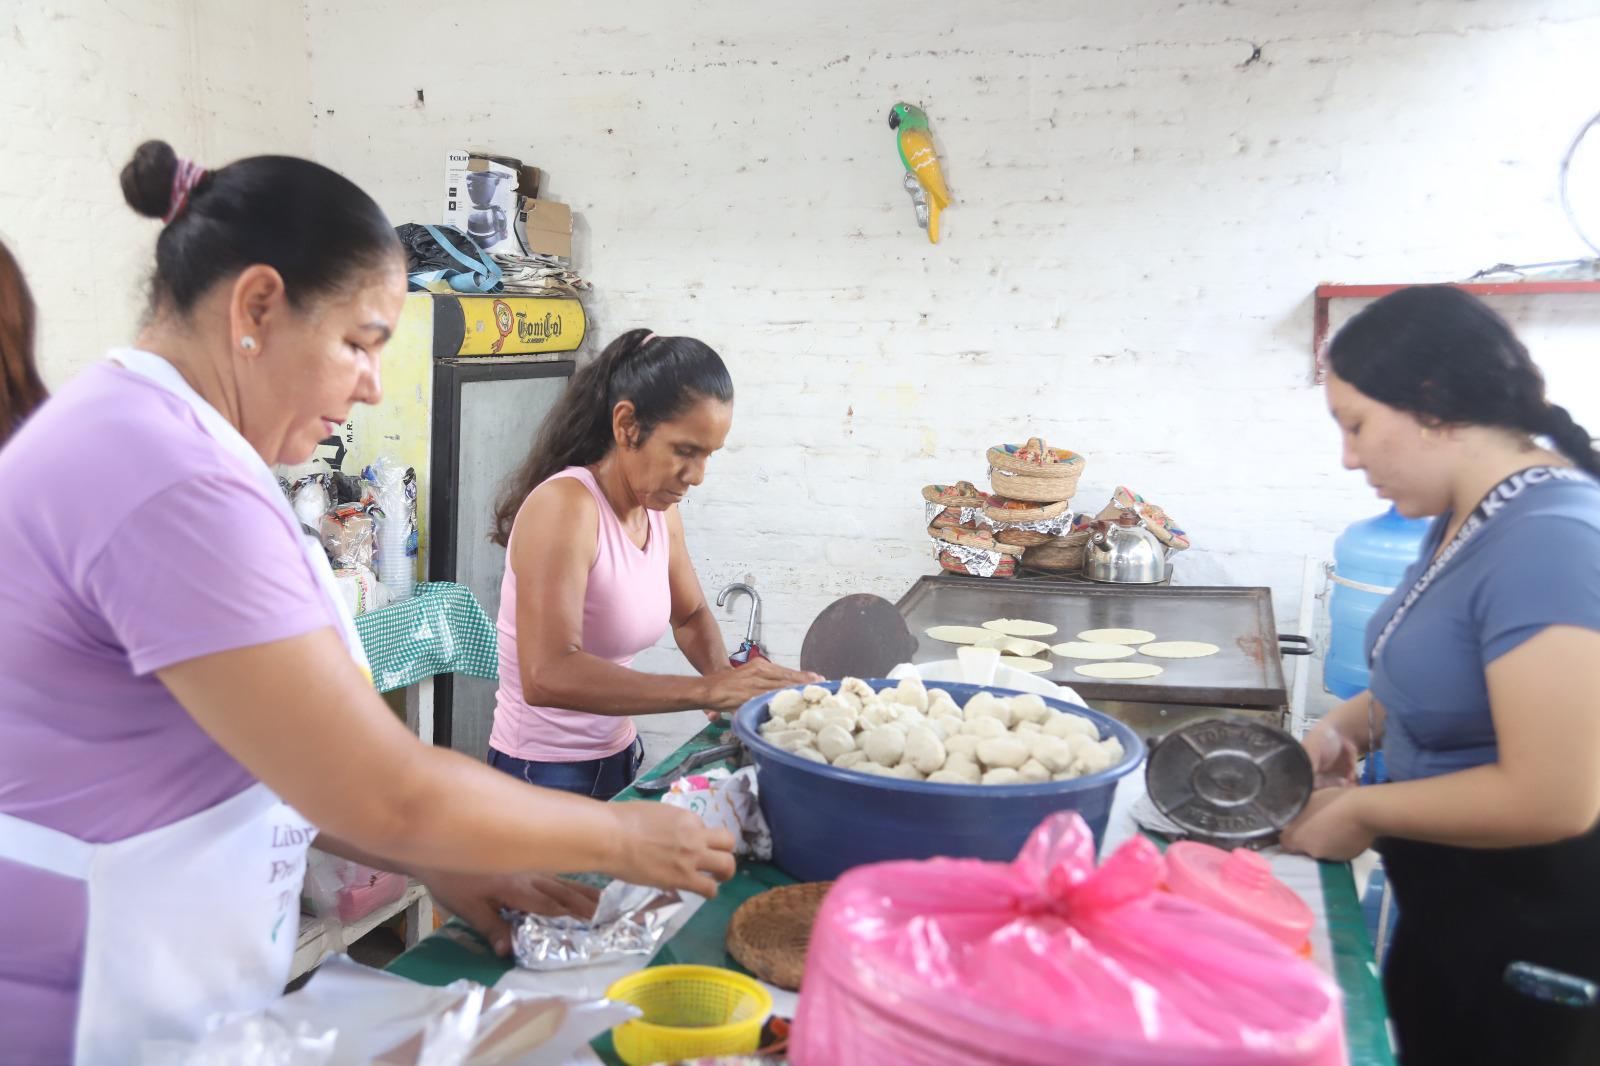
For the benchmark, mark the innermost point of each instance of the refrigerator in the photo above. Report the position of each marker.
(467, 383)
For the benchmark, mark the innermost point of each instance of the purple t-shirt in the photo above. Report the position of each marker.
(130, 542)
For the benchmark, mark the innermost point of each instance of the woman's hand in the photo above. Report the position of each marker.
(728, 690)
(669, 847)
(1333, 756)
(477, 899)
(1330, 827)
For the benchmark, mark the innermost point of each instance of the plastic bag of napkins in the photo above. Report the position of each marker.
(348, 1014)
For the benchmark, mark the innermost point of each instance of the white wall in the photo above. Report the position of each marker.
(1142, 212)
(82, 83)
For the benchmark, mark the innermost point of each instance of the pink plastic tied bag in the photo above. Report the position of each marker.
(1049, 960)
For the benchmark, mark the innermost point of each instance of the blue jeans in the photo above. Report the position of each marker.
(597, 778)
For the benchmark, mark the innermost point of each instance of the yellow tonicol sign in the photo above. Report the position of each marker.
(465, 326)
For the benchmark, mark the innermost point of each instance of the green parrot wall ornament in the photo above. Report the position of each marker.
(924, 177)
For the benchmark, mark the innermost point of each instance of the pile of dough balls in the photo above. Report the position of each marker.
(922, 734)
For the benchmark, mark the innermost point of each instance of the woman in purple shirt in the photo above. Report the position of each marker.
(1485, 694)
(183, 701)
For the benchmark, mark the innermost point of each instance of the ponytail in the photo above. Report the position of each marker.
(661, 376)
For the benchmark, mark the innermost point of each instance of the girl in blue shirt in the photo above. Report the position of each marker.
(1485, 688)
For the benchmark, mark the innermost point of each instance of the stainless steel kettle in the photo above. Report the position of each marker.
(1125, 552)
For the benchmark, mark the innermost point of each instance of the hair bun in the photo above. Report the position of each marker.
(147, 179)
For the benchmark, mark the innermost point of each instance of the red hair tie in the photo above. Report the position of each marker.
(184, 179)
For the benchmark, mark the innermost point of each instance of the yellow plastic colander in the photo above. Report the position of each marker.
(689, 1012)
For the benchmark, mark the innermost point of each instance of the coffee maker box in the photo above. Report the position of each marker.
(494, 199)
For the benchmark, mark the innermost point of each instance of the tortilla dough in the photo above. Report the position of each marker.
(959, 634)
(1118, 671)
(1013, 645)
(1179, 649)
(1117, 636)
(1029, 666)
(1020, 627)
(1083, 649)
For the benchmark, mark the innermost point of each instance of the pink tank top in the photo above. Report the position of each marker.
(626, 609)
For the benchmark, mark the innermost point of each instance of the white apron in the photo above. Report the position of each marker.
(202, 915)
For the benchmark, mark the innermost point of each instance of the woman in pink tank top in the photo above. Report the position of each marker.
(597, 570)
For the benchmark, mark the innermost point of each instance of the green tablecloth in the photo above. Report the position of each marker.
(456, 951)
(440, 630)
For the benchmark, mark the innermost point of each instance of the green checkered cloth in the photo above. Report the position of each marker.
(440, 630)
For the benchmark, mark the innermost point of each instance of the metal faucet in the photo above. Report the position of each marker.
(752, 633)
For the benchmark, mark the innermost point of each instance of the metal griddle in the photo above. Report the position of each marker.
(1247, 673)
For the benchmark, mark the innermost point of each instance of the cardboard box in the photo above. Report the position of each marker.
(494, 199)
(545, 228)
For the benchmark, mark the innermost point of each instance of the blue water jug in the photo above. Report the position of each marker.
(1369, 559)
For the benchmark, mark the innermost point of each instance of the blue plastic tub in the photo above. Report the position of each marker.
(825, 820)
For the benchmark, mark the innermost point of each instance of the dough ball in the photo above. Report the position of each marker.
(854, 686)
(1065, 724)
(814, 693)
(912, 693)
(980, 705)
(983, 727)
(791, 739)
(924, 749)
(1033, 772)
(1054, 753)
(941, 702)
(1027, 729)
(1088, 756)
(867, 766)
(1029, 707)
(786, 703)
(813, 719)
(959, 772)
(834, 740)
(907, 771)
(1003, 775)
(961, 744)
(1094, 759)
(831, 704)
(1113, 749)
(851, 759)
(1004, 751)
(946, 726)
(849, 700)
(813, 754)
(885, 746)
(1065, 775)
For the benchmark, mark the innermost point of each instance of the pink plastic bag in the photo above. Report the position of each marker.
(1047, 961)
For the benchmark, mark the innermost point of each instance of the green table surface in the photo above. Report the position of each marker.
(455, 951)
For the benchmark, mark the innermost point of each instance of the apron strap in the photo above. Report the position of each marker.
(44, 848)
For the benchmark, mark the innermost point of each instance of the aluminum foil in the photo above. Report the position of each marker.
(1058, 526)
(977, 560)
(969, 515)
(628, 920)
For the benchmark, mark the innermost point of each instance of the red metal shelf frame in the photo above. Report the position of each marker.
(1327, 291)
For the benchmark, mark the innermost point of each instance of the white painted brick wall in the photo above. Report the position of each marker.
(1141, 216)
(1142, 212)
(82, 82)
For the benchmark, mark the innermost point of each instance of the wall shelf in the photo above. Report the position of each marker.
(1327, 292)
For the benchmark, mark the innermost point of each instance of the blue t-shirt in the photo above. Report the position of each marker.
(1536, 563)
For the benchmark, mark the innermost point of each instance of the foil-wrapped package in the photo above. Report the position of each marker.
(628, 920)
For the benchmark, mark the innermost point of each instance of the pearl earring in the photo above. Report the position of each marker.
(247, 343)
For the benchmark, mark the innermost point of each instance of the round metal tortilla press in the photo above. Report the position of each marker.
(1228, 781)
